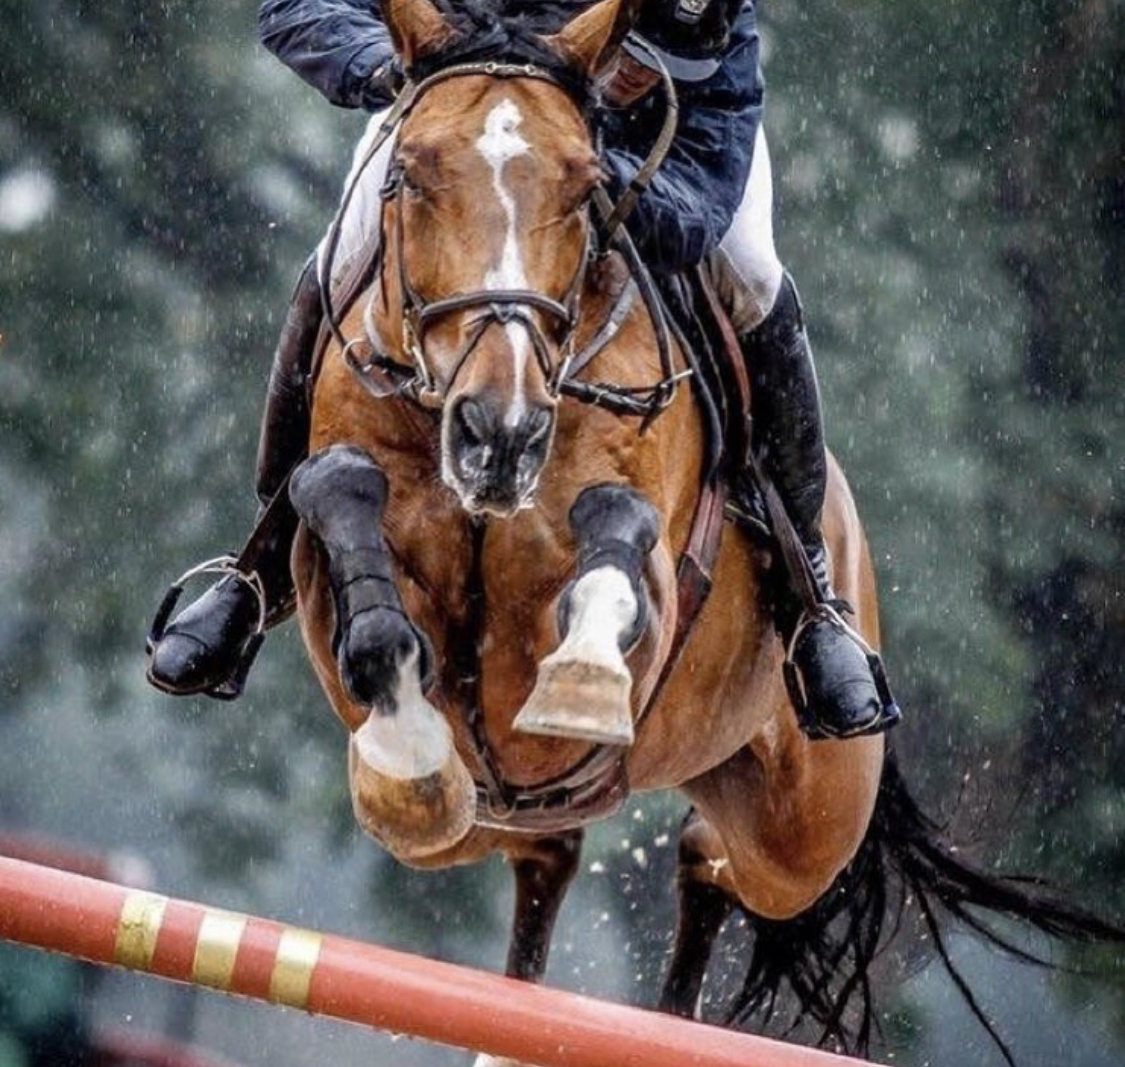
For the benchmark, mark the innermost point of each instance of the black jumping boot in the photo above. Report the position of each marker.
(835, 679)
(210, 646)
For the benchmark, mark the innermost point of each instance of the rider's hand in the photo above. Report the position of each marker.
(627, 81)
(384, 84)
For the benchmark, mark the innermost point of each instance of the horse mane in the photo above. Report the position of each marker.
(486, 34)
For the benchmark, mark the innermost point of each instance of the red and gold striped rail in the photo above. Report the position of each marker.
(361, 983)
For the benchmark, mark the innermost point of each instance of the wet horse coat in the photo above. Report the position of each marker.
(430, 528)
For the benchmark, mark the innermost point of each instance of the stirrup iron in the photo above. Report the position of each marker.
(227, 565)
(831, 612)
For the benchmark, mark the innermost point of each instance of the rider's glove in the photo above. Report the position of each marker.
(384, 85)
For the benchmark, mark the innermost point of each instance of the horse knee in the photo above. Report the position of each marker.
(617, 528)
(337, 491)
(378, 649)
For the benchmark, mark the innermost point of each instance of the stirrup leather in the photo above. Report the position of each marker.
(831, 612)
(232, 687)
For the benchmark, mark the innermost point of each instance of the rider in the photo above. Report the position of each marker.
(710, 200)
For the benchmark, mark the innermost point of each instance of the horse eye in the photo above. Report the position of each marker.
(579, 179)
(421, 171)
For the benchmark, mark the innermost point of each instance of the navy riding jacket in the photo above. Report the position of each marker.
(337, 45)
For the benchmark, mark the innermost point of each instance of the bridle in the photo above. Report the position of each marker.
(415, 379)
(499, 306)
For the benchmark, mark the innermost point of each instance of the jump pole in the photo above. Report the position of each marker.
(106, 923)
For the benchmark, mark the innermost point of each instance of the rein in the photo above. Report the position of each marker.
(415, 380)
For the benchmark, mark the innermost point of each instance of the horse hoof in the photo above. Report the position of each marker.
(581, 701)
(410, 790)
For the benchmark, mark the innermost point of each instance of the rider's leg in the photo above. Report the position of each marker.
(203, 648)
(207, 647)
(788, 439)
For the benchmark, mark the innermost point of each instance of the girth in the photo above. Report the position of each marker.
(598, 784)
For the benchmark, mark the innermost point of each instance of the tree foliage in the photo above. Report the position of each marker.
(950, 201)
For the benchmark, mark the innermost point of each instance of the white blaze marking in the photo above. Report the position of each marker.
(499, 143)
(602, 608)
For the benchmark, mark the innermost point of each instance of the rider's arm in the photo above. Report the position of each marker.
(337, 46)
(692, 198)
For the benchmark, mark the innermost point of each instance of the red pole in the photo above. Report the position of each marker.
(361, 983)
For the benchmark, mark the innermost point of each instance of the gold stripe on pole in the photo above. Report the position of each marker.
(142, 915)
(292, 974)
(216, 948)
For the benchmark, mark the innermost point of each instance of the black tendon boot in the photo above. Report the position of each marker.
(210, 646)
(835, 680)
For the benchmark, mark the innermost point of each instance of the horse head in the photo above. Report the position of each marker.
(487, 237)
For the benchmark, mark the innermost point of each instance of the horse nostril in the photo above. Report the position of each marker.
(474, 421)
(537, 426)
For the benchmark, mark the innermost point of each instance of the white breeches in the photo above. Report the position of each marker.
(744, 269)
(365, 211)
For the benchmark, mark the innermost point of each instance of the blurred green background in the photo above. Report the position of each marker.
(951, 199)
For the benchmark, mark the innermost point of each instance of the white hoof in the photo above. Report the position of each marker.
(414, 742)
(410, 790)
(584, 687)
(579, 700)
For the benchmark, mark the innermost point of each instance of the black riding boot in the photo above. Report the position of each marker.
(210, 646)
(830, 672)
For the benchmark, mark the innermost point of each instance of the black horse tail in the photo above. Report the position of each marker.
(819, 961)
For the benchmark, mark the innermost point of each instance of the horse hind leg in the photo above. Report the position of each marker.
(583, 689)
(410, 789)
(543, 875)
(544, 869)
(704, 904)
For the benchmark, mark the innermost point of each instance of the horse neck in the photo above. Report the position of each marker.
(665, 462)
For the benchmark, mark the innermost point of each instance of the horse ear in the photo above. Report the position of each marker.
(591, 40)
(417, 28)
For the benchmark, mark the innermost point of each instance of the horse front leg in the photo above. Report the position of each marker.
(584, 688)
(410, 790)
(544, 869)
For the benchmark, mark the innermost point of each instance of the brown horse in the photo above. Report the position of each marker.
(487, 573)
